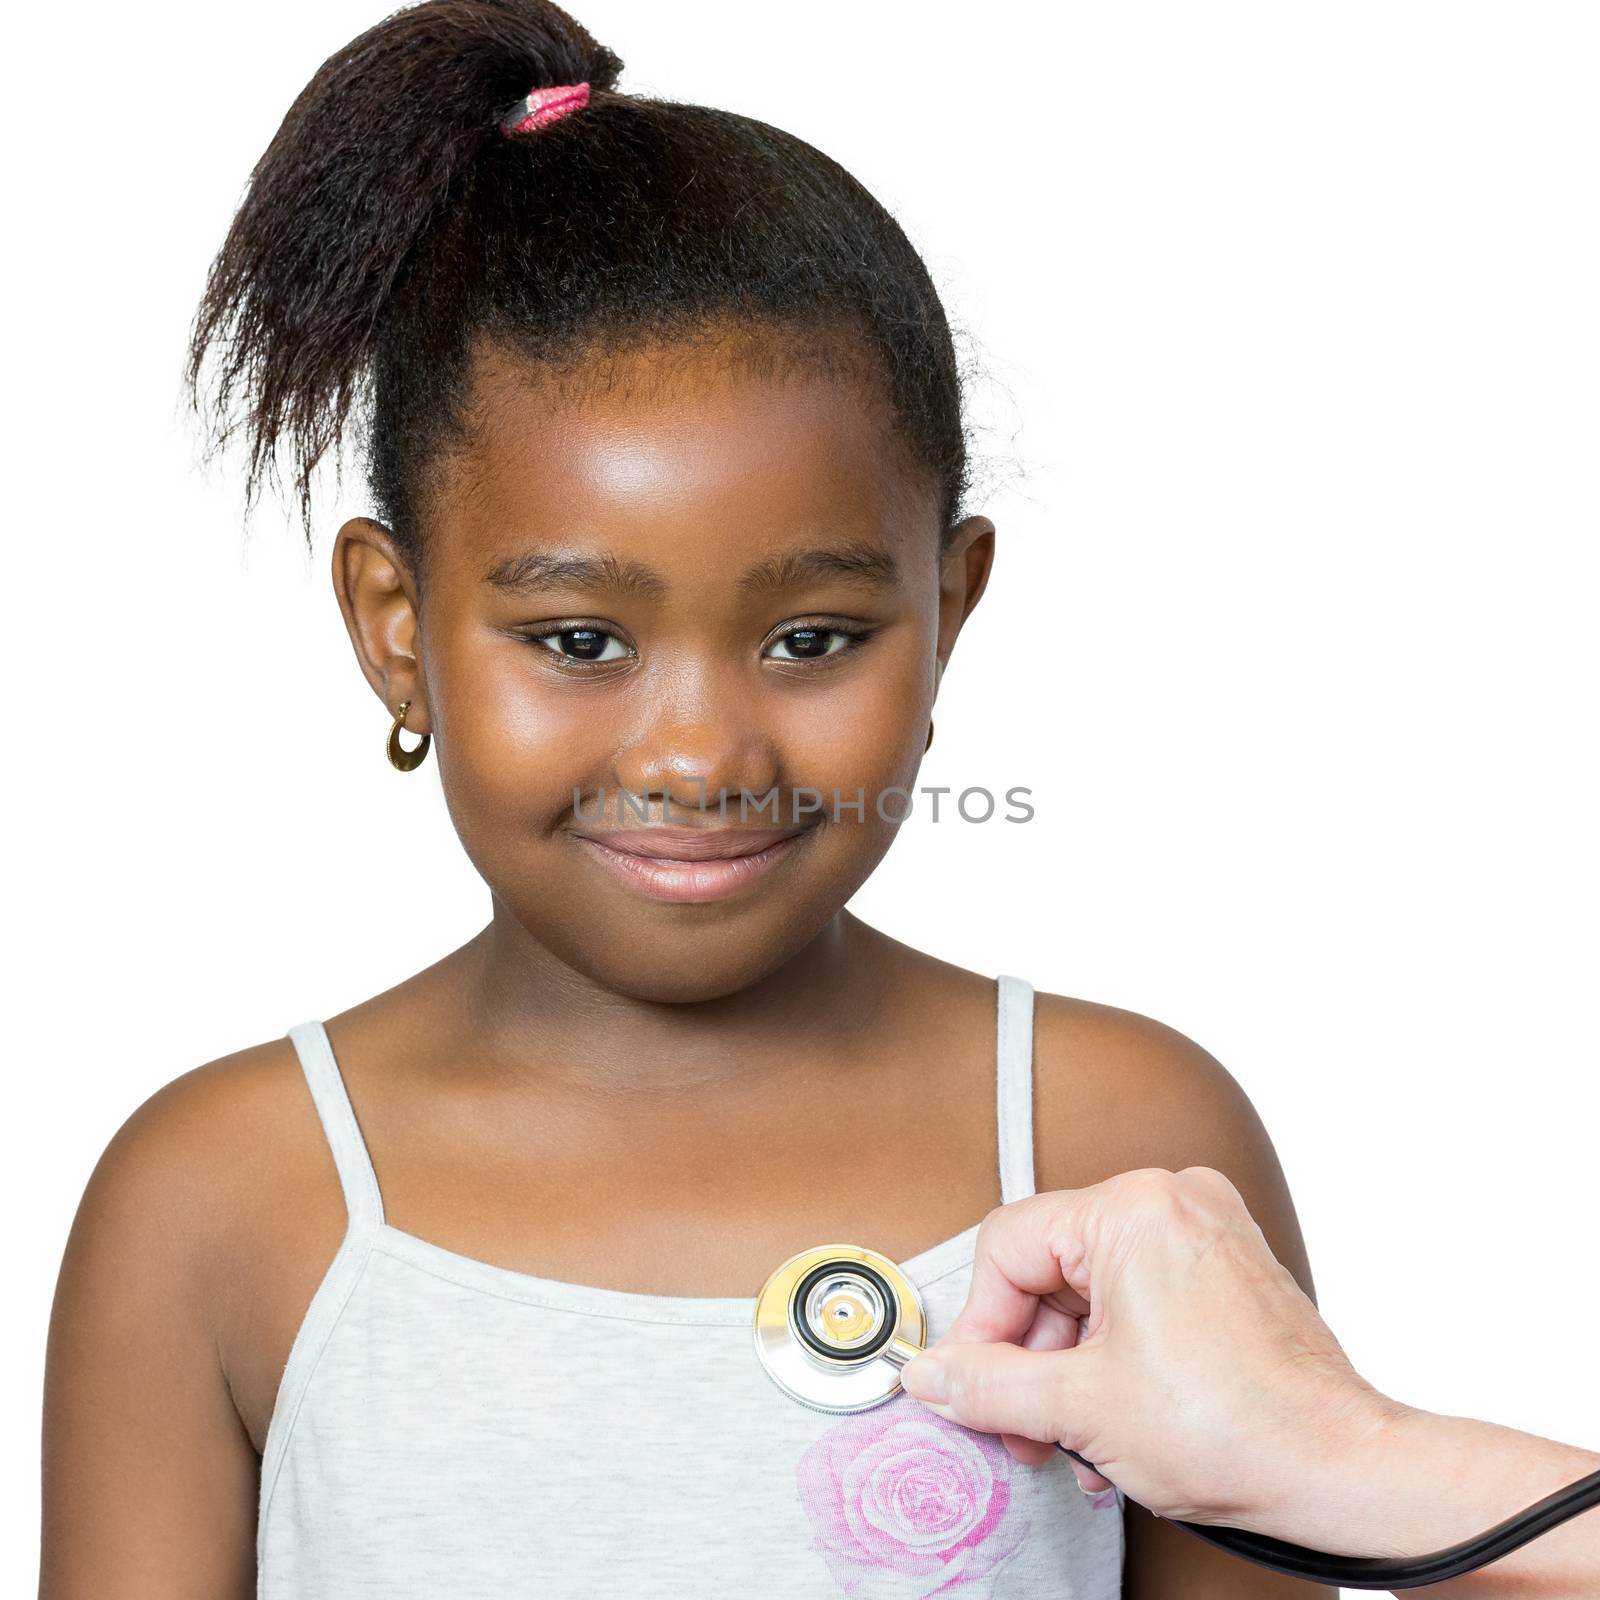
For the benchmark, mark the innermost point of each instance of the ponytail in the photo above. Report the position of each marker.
(371, 152)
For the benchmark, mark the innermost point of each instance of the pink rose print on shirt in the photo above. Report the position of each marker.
(903, 1504)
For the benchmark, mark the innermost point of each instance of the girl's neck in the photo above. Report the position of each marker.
(513, 1005)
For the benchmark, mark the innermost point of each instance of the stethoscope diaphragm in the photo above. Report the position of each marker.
(835, 1324)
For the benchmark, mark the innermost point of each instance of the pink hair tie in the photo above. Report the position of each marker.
(543, 106)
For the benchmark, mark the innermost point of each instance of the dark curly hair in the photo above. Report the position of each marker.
(389, 226)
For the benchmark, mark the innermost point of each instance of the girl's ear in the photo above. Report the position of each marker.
(378, 596)
(963, 576)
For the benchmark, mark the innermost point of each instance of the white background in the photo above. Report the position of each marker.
(1290, 337)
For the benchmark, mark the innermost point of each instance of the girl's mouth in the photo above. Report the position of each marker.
(698, 874)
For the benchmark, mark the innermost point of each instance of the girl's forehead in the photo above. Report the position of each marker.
(676, 448)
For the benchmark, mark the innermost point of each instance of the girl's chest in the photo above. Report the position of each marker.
(672, 1218)
(443, 1441)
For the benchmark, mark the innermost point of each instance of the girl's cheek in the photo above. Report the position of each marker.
(521, 763)
(509, 757)
(871, 738)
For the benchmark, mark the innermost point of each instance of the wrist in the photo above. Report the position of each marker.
(1372, 1480)
(1342, 1475)
(1438, 1480)
(1391, 1480)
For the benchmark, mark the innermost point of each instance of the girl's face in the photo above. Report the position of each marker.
(708, 578)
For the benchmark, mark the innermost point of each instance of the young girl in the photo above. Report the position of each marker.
(451, 1294)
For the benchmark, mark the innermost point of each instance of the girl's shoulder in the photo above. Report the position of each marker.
(1115, 1090)
(150, 1304)
(219, 1191)
(200, 1150)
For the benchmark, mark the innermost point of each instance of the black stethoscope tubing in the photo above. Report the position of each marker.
(1410, 1572)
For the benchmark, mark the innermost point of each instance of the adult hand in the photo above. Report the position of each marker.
(1144, 1323)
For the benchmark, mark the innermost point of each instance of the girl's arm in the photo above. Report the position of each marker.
(149, 1485)
(1154, 1098)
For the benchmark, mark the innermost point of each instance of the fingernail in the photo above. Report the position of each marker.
(932, 1382)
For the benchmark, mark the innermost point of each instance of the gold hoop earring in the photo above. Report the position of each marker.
(929, 744)
(399, 756)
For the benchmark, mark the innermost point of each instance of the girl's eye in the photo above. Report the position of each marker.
(813, 643)
(582, 645)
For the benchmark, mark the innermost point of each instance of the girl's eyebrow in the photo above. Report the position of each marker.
(853, 560)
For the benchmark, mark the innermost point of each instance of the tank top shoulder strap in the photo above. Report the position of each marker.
(1014, 1085)
(360, 1183)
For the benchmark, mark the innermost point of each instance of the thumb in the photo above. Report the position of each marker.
(1004, 1388)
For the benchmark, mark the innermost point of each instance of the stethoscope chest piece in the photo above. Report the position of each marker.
(834, 1325)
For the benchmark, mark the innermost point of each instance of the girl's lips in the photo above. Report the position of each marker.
(664, 878)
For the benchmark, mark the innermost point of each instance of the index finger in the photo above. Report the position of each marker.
(1028, 1250)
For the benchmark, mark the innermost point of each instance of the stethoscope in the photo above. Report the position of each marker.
(835, 1324)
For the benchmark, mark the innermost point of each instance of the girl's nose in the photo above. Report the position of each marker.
(695, 762)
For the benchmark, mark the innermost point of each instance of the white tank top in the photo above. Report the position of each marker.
(449, 1428)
